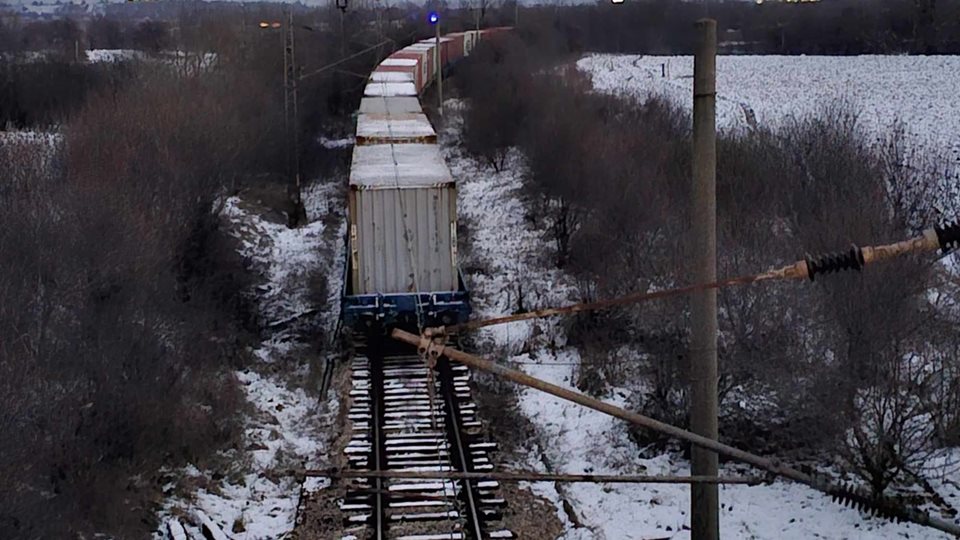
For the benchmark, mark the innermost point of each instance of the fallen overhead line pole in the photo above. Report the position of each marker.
(849, 495)
(944, 238)
(527, 476)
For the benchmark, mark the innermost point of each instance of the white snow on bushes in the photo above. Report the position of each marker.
(499, 262)
(285, 429)
(113, 55)
(918, 91)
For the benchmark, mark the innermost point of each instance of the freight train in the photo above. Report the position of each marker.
(401, 265)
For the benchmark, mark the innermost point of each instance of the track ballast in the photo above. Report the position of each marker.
(399, 426)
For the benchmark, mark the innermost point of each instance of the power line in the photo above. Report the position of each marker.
(845, 493)
(345, 59)
(945, 238)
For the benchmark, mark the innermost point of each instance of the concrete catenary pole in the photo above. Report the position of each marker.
(291, 121)
(439, 70)
(704, 499)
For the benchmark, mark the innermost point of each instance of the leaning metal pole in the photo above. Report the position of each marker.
(851, 496)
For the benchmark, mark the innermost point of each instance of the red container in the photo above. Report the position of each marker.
(457, 51)
(422, 68)
(426, 56)
(444, 43)
(413, 71)
(496, 33)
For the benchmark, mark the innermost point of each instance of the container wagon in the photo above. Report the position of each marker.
(402, 237)
(402, 245)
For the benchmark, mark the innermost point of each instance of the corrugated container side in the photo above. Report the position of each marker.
(457, 46)
(397, 128)
(405, 239)
(391, 105)
(394, 74)
(469, 41)
(421, 65)
(390, 89)
(428, 56)
(495, 33)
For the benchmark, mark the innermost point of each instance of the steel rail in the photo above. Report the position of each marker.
(376, 403)
(454, 435)
(381, 473)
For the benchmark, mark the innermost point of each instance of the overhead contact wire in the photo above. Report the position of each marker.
(945, 238)
(411, 253)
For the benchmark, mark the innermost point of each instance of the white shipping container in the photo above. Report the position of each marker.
(403, 220)
(390, 105)
(421, 48)
(390, 89)
(391, 76)
(404, 62)
(422, 53)
(375, 128)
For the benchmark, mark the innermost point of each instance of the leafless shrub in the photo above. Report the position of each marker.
(836, 355)
(120, 305)
(151, 36)
(47, 92)
(819, 367)
(840, 27)
(894, 432)
(494, 81)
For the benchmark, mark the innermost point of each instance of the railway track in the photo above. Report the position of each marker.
(400, 425)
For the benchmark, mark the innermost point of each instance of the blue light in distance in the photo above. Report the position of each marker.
(433, 17)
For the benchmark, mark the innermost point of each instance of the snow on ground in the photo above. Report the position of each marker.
(916, 90)
(112, 55)
(334, 144)
(573, 439)
(285, 429)
(30, 137)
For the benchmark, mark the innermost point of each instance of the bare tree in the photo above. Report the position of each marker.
(894, 433)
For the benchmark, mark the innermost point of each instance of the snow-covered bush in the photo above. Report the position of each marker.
(894, 436)
(609, 177)
(120, 306)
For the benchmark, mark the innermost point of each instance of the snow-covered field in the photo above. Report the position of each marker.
(287, 427)
(919, 91)
(574, 439)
